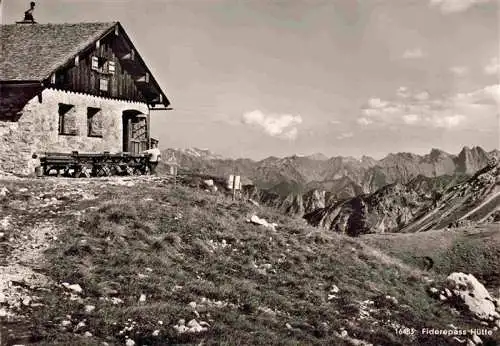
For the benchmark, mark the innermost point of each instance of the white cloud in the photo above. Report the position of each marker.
(447, 121)
(290, 134)
(459, 70)
(411, 119)
(403, 92)
(493, 67)
(422, 96)
(475, 109)
(454, 6)
(364, 121)
(377, 103)
(345, 135)
(276, 125)
(415, 53)
(488, 95)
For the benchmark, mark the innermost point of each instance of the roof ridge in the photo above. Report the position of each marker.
(75, 23)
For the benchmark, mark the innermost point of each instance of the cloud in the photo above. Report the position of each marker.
(447, 121)
(364, 121)
(411, 119)
(403, 92)
(377, 103)
(459, 70)
(455, 6)
(281, 126)
(489, 95)
(493, 67)
(345, 135)
(334, 122)
(422, 96)
(415, 53)
(474, 109)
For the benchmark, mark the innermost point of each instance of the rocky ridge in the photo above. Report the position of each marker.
(416, 206)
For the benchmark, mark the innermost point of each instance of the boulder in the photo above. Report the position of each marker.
(262, 222)
(474, 295)
(3, 191)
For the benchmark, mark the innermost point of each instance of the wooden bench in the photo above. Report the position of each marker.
(78, 165)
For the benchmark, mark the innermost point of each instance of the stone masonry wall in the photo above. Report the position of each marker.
(37, 130)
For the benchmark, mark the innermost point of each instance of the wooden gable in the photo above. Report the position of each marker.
(112, 68)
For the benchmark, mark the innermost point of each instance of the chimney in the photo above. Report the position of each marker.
(28, 15)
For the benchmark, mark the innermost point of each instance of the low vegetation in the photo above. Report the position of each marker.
(149, 254)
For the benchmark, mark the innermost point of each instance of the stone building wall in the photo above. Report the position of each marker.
(37, 129)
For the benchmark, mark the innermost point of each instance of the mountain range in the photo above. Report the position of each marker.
(420, 205)
(342, 177)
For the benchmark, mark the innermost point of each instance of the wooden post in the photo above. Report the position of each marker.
(234, 187)
(175, 177)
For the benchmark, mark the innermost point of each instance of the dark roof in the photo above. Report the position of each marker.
(31, 52)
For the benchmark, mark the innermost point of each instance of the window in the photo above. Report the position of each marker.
(95, 63)
(94, 122)
(111, 67)
(67, 120)
(103, 65)
(103, 84)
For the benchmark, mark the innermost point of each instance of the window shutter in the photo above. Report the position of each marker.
(103, 84)
(94, 122)
(95, 63)
(97, 126)
(111, 67)
(70, 123)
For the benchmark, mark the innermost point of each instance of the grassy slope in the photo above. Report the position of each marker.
(112, 246)
(475, 250)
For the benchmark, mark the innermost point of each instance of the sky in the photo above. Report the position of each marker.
(257, 78)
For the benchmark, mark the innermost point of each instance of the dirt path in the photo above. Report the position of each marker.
(32, 215)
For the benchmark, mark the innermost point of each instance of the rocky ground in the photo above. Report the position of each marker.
(138, 261)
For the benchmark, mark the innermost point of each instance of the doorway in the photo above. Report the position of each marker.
(135, 131)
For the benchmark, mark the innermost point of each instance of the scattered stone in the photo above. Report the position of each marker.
(476, 339)
(26, 301)
(65, 323)
(80, 325)
(267, 311)
(192, 305)
(334, 289)
(4, 191)
(3, 312)
(87, 334)
(193, 326)
(89, 308)
(156, 332)
(288, 326)
(433, 290)
(75, 287)
(208, 183)
(392, 299)
(129, 342)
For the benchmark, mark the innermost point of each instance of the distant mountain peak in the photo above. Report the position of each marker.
(318, 157)
(197, 153)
